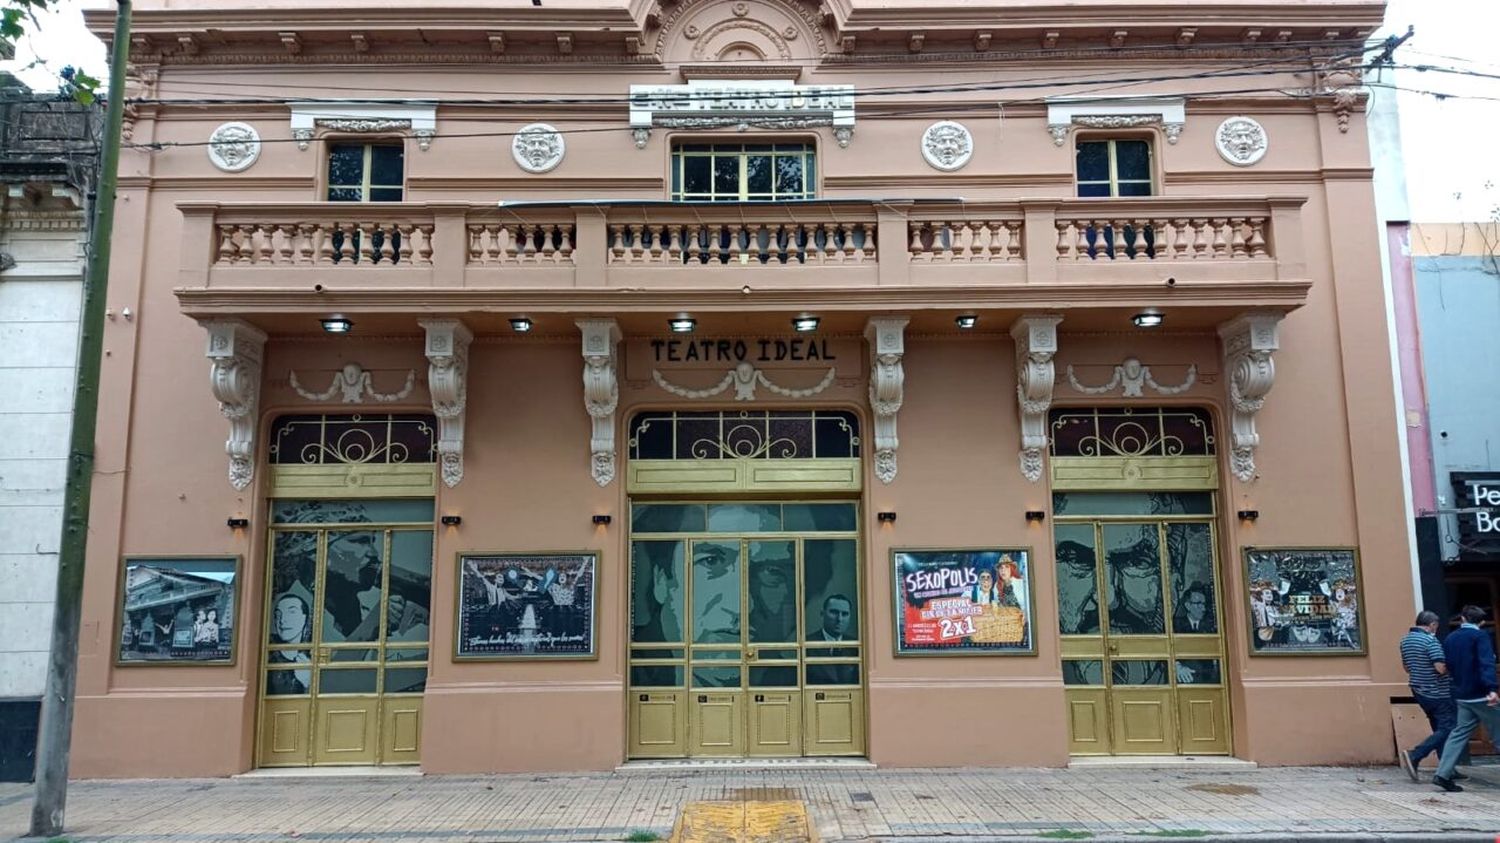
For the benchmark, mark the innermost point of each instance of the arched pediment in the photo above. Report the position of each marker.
(708, 31)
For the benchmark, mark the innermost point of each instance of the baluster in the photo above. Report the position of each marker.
(1200, 238)
(1221, 247)
(528, 243)
(994, 250)
(424, 251)
(869, 249)
(264, 248)
(1064, 238)
(366, 242)
(1084, 250)
(228, 251)
(735, 249)
(548, 250)
(1117, 239)
(305, 234)
(617, 242)
(916, 250)
(403, 256)
(246, 252)
(288, 242)
(325, 243)
(961, 239)
(565, 246)
(476, 246)
(1258, 238)
(848, 233)
(1013, 240)
(793, 233)
(506, 243)
(714, 235)
(765, 243)
(830, 251)
(1237, 247)
(656, 247)
(387, 248)
(492, 243)
(1180, 236)
(694, 244)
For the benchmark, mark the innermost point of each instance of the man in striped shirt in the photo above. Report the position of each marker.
(1427, 673)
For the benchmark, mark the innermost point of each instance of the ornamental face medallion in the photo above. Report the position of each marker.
(234, 147)
(1241, 141)
(947, 145)
(538, 148)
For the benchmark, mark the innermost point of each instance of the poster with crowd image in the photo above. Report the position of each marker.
(963, 602)
(526, 606)
(178, 610)
(1304, 601)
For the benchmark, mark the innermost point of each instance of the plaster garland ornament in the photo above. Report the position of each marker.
(744, 377)
(538, 147)
(947, 145)
(236, 349)
(1249, 341)
(362, 125)
(447, 353)
(1132, 375)
(601, 393)
(887, 387)
(355, 382)
(234, 147)
(1241, 140)
(1036, 345)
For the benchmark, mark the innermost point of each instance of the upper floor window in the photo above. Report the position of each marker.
(365, 172)
(743, 172)
(1114, 168)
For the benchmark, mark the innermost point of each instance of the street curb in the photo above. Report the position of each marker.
(1467, 836)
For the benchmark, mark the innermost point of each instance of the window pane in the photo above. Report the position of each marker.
(343, 194)
(716, 677)
(773, 677)
(818, 517)
(656, 676)
(1083, 672)
(1096, 189)
(405, 680)
(1139, 188)
(293, 559)
(1077, 588)
(1133, 160)
(352, 592)
(833, 674)
(758, 173)
(1139, 672)
(789, 174)
(1132, 554)
(667, 518)
(288, 683)
(727, 176)
(829, 574)
(412, 510)
(385, 194)
(773, 591)
(347, 681)
(695, 174)
(716, 593)
(1198, 672)
(1132, 503)
(346, 164)
(410, 601)
(385, 165)
(1093, 161)
(1190, 559)
(656, 591)
(403, 655)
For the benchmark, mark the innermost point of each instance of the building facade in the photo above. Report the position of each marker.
(935, 384)
(48, 153)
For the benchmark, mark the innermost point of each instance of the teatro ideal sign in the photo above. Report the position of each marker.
(759, 103)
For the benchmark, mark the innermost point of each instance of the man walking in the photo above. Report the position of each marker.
(1471, 665)
(1427, 674)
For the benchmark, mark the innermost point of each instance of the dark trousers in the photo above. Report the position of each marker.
(1442, 714)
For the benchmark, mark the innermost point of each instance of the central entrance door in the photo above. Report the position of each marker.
(745, 633)
(346, 646)
(1142, 636)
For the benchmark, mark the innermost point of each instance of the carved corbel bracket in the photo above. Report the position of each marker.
(1036, 345)
(236, 349)
(601, 393)
(1249, 341)
(887, 338)
(447, 380)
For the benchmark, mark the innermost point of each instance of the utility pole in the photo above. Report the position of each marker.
(55, 736)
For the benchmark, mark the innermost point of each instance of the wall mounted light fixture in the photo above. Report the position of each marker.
(682, 324)
(1248, 514)
(1035, 515)
(966, 321)
(804, 324)
(239, 523)
(452, 520)
(337, 325)
(886, 517)
(602, 519)
(520, 324)
(1148, 319)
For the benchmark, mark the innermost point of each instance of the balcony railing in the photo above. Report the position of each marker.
(836, 242)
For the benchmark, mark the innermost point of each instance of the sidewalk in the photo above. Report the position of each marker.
(1301, 803)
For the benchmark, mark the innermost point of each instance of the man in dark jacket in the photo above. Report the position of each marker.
(1471, 664)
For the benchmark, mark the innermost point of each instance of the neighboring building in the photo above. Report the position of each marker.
(561, 383)
(48, 155)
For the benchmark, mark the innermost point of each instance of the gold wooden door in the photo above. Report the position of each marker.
(347, 620)
(1141, 632)
(744, 644)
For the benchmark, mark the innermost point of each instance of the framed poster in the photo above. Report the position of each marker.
(1304, 601)
(526, 605)
(177, 610)
(963, 602)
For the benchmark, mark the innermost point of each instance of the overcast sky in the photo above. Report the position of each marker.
(1453, 171)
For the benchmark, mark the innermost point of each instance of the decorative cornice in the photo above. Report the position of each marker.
(354, 383)
(744, 377)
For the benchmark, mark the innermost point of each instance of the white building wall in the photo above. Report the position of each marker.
(40, 302)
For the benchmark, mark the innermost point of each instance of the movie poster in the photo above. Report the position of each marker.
(1304, 601)
(963, 602)
(526, 606)
(178, 610)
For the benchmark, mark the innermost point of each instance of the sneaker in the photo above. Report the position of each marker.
(1447, 784)
(1404, 756)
